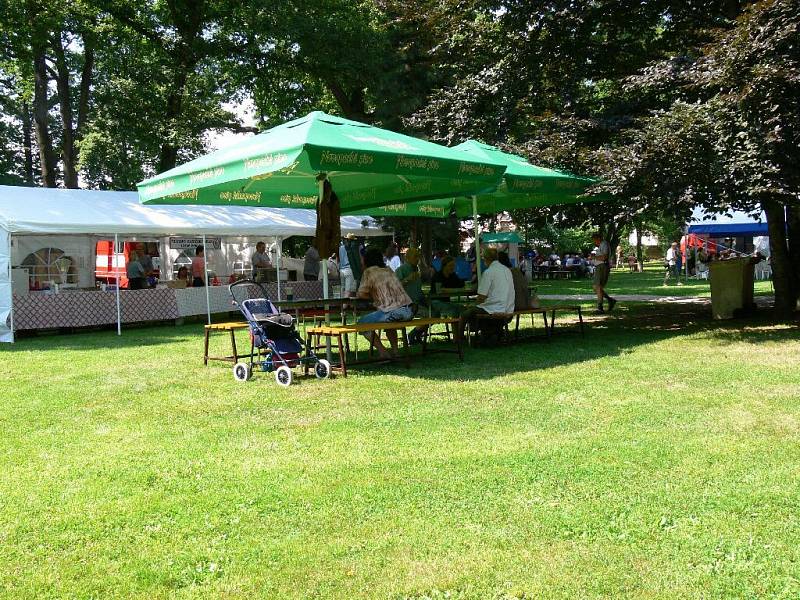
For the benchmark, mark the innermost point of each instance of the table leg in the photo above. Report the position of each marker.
(580, 321)
(205, 352)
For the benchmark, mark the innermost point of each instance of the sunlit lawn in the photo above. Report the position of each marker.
(656, 457)
(649, 282)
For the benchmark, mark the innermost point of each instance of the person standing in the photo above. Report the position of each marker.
(346, 276)
(135, 273)
(602, 269)
(311, 265)
(672, 263)
(199, 267)
(261, 262)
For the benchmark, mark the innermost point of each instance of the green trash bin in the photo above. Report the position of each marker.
(731, 286)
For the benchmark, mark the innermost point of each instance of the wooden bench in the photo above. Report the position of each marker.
(576, 308)
(506, 319)
(338, 332)
(231, 327)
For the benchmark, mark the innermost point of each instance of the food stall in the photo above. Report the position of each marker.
(49, 240)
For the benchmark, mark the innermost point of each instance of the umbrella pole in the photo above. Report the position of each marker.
(119, 311)
(477, 238)
(205, 269)
(324, 267)
(278, 267)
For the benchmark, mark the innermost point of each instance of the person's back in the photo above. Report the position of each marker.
(382, 286)
(522, 297)
(311, 264)
(497, 285)
(409, 276)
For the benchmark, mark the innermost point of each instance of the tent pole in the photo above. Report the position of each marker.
(11, 289)
(119, 310)
(278, 267)
(205, 270)
(477, 238)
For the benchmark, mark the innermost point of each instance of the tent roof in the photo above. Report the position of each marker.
(50, 210)
(730, 224)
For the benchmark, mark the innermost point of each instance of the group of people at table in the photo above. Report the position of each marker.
(394, 287)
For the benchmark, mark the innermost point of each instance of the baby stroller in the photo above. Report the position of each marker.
(277, 345)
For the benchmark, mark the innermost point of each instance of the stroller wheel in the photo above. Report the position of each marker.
(242, 371)
(322, 369)
(283, 376)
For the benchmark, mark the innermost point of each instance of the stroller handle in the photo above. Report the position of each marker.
(242, 282)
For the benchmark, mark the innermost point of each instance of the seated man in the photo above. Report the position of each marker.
(495, 292)
(261, 263)
(381, 285)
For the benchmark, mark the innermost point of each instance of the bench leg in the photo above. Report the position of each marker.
(580, 321)
(205, 352)
(308, 354)
(342, 356)
(233, 347)
(547, 331)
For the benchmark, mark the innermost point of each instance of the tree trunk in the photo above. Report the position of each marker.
(329, 228)
(353, 105)
(427, 240)
(793, 235)
(86, 84)
(68, 154)
(639, 253)
(782, 271)
(412, 242)
(168, 156)
(27, 141)
(47, 157)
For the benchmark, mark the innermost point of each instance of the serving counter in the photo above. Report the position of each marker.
(94, 307)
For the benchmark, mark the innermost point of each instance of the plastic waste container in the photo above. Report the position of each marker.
(731, 287)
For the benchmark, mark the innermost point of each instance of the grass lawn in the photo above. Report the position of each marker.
(650, 282)
(658, 457)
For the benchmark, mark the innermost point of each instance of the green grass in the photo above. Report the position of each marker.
(658, 457)
(649, 282)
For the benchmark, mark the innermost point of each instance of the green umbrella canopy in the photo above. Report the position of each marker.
(365, 165)
(505, 237)
(524, 186)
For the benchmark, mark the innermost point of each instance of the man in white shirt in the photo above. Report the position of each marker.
(671, 266)
(601, 260)
(495, 292)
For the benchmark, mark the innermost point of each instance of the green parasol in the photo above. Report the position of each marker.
(524, 186)
(365, 165)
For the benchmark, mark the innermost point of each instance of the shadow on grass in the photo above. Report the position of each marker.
(606, 336)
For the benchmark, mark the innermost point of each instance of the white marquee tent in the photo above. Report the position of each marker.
(36, 216)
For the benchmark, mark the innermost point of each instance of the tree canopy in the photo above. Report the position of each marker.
(671, 104)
